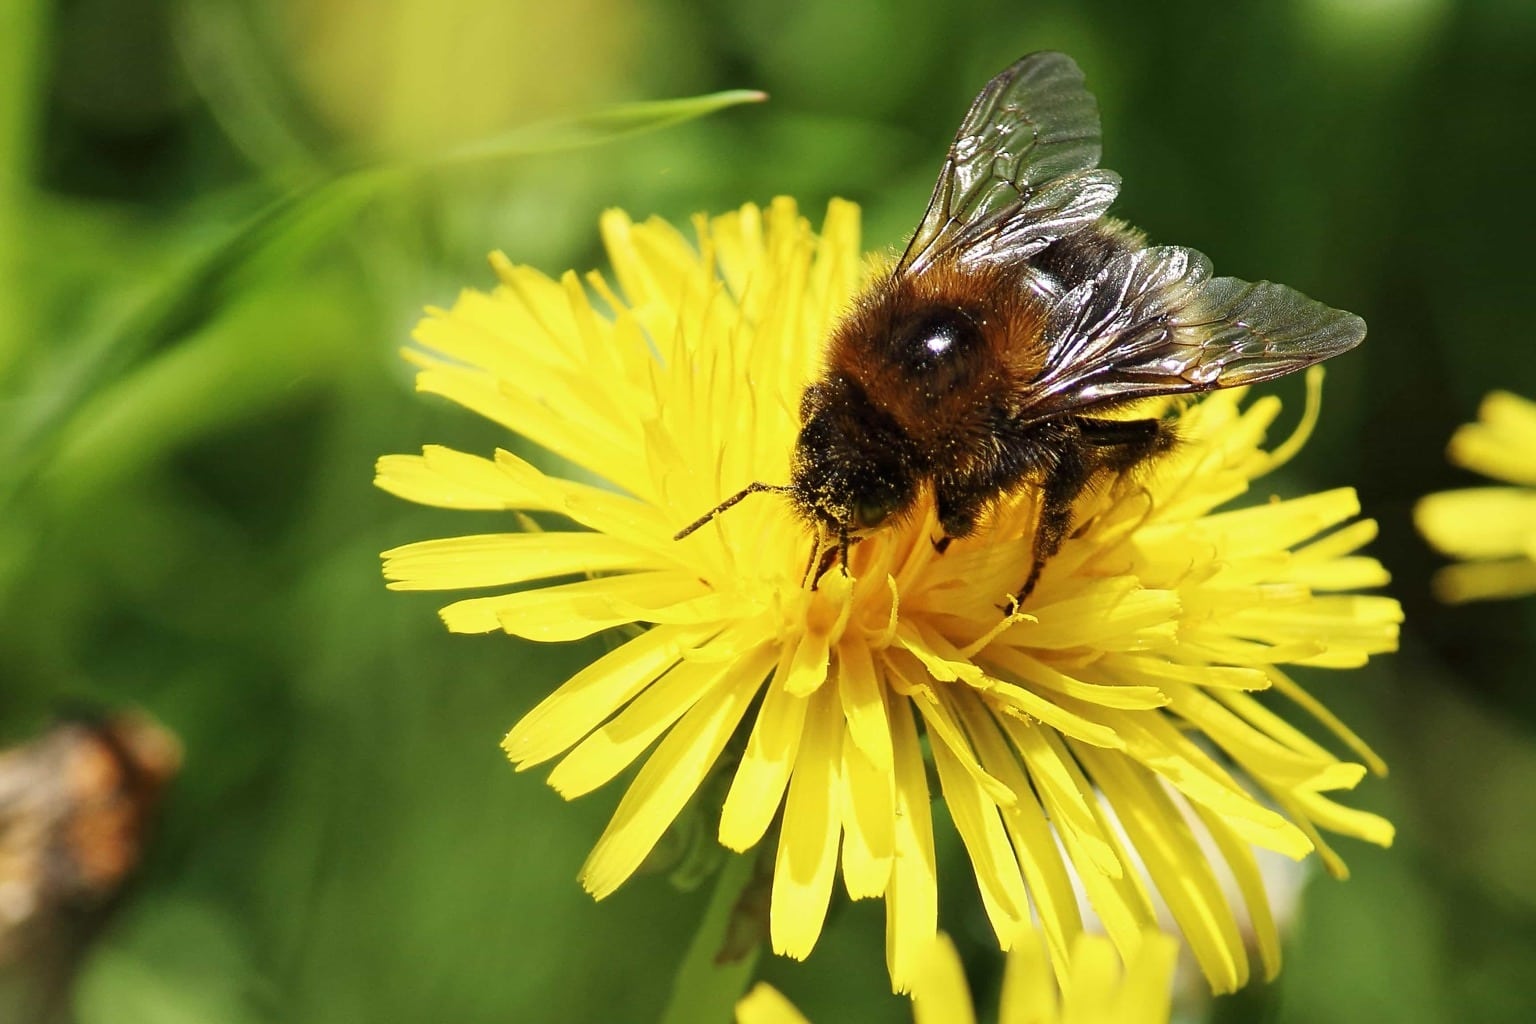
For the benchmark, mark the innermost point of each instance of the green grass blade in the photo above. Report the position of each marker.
(593, 129)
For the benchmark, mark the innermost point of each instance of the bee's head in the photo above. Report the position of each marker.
(853, 468)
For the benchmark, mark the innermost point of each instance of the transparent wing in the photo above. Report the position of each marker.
(1154, 322)
(1021, 171)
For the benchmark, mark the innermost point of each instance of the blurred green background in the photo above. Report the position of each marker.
(201, 303)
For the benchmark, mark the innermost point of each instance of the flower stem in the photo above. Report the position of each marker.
(715, 970)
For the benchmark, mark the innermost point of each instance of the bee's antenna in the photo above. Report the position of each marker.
(752, 488)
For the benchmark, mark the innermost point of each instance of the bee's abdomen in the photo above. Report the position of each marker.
(1069, 261)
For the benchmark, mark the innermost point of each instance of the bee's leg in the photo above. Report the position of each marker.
(961, 499)
(825, 556)
(817, 564)
(1059, 492)
(959, 508)
(1114, 445)
(1121, 444)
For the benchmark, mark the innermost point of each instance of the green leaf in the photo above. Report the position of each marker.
(281, 234)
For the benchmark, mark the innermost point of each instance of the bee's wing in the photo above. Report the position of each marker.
(1154, 322)
(1021, 171)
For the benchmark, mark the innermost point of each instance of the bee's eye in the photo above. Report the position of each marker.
(939, 346)
(871, 512)
(938, 340)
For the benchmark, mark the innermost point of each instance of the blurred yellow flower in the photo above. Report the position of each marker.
(1492, 529)
(1093, 992)
(1079, 737)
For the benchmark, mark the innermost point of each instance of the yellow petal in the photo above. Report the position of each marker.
(1029, 991)
(1501, 444)
(449, 479)
(571, 611)
(868, 812)
(1088, 996)
(757, 789)
(1479, 522)
(1359, 573)
(594, 693)
(858, 689)
(443, 477)
(1155, 743)
(981, 829)
(1158, 671)
(1045, 875)
(1117, 894)
(1116, 616)
(1176, 864)
(1351, 626)
(1348, 821)
(1343, 541)
(940, 994)
(1250, 882)
(807, 855)
(808, 669)
(1284, 684)
(1144, 996)
(1329, 563)
(669, 778)
(938, 656)
(596, 508)
(519, 338)
(1282, 524)
(1254, 736)
(1028, 706)
(502, 559)
(1043, 677)
(614, 746)
(912, 898)
(610, 350)
(1482, 581)
(578, 439)
(944, 730)
(1067, 797)
(764, 1004)
(738, 238)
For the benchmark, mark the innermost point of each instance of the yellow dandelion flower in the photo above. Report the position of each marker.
(1095, 991)
(1067, 739)
(1492, 529)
